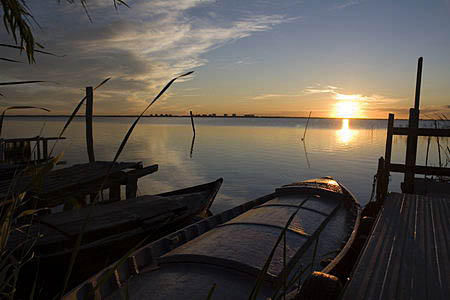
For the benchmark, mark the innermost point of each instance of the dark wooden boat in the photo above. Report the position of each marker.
(229, 250)
(112, 230)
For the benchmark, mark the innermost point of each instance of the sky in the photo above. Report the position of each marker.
(343, 58)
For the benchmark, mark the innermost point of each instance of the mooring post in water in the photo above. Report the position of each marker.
(411, 145)
(192, 122)
(89, 113)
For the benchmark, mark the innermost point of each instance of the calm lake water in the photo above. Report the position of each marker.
(253, 155)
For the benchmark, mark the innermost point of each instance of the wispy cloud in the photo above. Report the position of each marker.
(347, 3)
(271, 96)
(321, 90)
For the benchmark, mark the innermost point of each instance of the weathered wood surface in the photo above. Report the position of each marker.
(20, 151)
(407, 254)
(106, 220)
(235, 252)
(146, 257)
(425, 170)
(78, 180)
(441, 132)
(112, 230)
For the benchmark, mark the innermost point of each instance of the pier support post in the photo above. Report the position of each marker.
(413, 124)
(89, 113)
(114, 192)
(131, 187)
(45, 148)
(411, 151)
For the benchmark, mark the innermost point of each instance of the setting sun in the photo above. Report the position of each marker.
(347, 110)
(345, 134)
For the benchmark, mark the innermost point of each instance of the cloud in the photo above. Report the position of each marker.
(141, 48)
(347, 3)
(318, 89)
(270, 96)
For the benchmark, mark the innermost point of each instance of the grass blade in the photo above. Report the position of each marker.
(21, 48)
(119, 151)
(127, 136)
(21, 82)
(211, 291)
(264, 270)
(17, 107)
(11, 60)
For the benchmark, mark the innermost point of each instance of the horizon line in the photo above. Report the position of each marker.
(200, 116)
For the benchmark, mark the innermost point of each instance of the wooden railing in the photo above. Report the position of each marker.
(21, 150)
(410, 168)
(385, 166)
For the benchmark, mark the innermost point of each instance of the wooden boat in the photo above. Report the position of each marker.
(226, 253)
(111, 230)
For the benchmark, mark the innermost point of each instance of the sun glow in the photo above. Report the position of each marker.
(346, 109)
(345, 134)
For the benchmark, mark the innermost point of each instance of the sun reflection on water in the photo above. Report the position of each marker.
(345, 134)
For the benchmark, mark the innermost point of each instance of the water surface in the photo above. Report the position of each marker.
(253, 155)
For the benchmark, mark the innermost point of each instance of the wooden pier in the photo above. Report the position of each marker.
(79, 181)
(19, 150)
(407, 254)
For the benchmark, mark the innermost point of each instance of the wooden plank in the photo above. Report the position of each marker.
(410, 260)
(140, 172)
(79, 179)
(441, 132)
(114, 215)
(400, 168)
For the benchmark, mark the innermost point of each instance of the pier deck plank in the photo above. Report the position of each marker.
(78, 180)
(407, 255)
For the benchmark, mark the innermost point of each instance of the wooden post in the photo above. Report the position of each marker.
(411, 150)
(382, 180)
(89, 113)
(38, 149)
(389, 135)
(413, 125)
(45, 148)
(114, 192)
(131, 187)
(192, 122)
(418, 82)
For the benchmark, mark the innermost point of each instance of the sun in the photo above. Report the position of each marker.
(346, 109)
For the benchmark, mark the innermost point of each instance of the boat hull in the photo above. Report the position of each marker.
(104, 246)
(322, 216)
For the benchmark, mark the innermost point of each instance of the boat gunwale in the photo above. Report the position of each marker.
(355, 205)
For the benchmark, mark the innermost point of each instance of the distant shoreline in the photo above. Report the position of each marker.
(187, 116)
